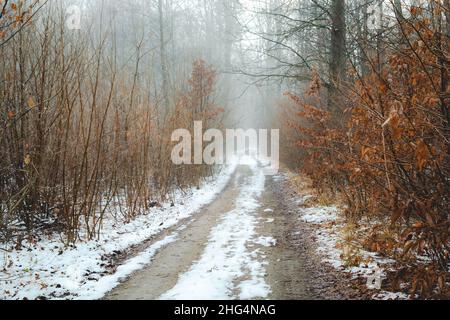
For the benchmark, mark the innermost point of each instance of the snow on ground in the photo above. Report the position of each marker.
(50, 270)
(330, 243)
(319, 215)
(266, 241)
(391, 296)
(227, 258)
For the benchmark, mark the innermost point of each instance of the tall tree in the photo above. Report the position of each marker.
(163, 57)
(337, 52)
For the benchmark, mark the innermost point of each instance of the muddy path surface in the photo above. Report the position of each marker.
(295, 270)
(282, 245)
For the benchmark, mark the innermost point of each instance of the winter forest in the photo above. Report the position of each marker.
(92, 206)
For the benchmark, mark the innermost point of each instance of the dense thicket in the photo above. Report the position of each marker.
(86, 121)
(383, 144)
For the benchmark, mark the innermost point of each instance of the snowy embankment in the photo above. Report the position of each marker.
(49, 270)
(228, 267)
(334, 249)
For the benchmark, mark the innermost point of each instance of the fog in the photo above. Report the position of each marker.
(154, 42)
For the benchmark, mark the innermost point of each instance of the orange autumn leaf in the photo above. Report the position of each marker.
(422, 154)
(31, 103)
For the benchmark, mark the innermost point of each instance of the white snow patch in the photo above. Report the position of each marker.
(329, 237)
(391, 296)
(318, 215)
(227, 256)
(266, 241)
(251, 288)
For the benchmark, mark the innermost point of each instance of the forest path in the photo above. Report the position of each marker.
(247, 244)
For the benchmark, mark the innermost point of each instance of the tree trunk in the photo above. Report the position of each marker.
(337, 53)
(163, 57)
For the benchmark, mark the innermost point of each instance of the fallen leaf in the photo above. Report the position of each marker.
(31, 103)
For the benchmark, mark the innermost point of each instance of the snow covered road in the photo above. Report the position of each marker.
(216, 256)
(249, 243)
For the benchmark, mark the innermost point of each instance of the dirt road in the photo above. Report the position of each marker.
(247, 244)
